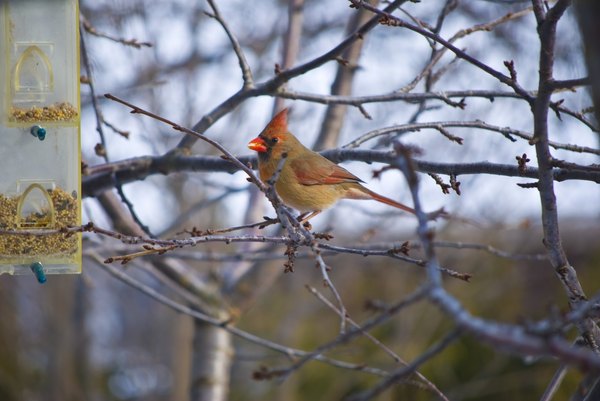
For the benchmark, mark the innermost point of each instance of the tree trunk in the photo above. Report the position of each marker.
(213, 354)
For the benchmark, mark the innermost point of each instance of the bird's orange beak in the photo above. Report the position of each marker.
(258, 144)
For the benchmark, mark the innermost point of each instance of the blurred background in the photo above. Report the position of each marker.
(92, 337)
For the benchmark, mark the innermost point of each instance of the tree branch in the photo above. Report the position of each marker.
(552, 241)
(100, 178)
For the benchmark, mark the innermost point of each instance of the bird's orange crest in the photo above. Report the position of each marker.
(279, 123)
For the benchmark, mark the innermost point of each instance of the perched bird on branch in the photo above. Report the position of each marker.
(307, 181)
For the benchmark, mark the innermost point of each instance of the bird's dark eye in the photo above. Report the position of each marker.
(274, 140)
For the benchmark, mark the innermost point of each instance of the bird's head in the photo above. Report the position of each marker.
(275, 139)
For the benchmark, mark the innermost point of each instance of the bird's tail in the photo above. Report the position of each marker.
(365, 193)
(391, 202)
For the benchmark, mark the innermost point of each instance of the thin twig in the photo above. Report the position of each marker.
(395, 96)
(225, 325)
(228, 155)
(237, 48)
(554, 384)
(329, 284)
(351, 334)
(89, 28)
(378, 343)
(395, 255)
(103, 152)
(408, 370)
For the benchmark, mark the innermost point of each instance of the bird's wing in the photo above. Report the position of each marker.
(319, 172)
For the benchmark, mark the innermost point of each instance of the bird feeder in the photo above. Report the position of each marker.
(40, 161)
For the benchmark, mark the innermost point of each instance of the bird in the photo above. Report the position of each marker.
(308, 181)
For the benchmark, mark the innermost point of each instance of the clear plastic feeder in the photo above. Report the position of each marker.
(40, 161)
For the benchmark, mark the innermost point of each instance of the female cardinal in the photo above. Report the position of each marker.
(308, 181)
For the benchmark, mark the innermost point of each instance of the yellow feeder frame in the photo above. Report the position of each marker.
(40, 159)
